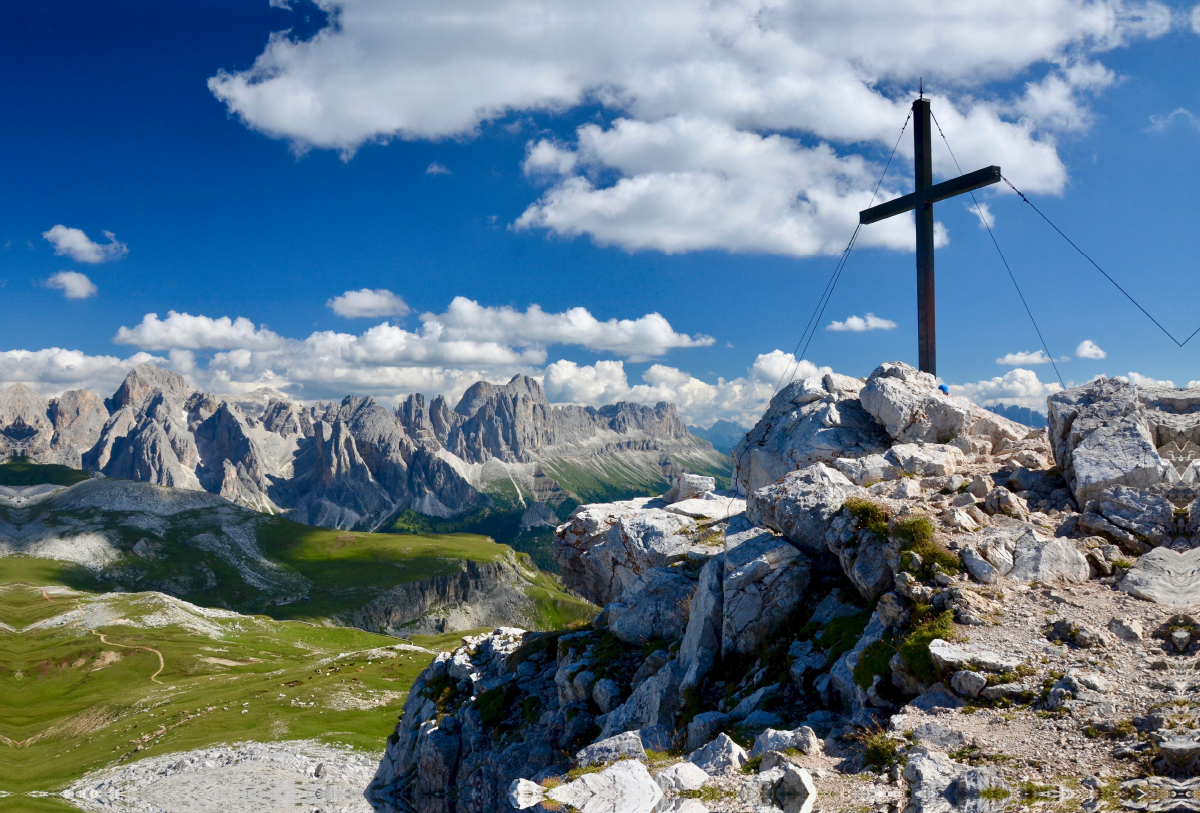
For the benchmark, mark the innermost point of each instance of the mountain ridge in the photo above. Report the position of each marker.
(352, 463)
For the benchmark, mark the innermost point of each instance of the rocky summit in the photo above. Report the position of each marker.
(909, 602)
(355, 463)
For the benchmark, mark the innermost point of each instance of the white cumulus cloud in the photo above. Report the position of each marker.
(836, 77)
(741, 399)
(636, 339)
(187, 332)
(53, 370)
(858, 324)
(367, 302)
(1088, 349)
(1017, 387)
(983, 214)
(73, 284)
(1024, 357)
(74, 243)
(437, 169)
(1145, 380)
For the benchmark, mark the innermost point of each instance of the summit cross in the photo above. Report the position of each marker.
(921, 200)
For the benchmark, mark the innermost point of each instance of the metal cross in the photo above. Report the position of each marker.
(921, 200)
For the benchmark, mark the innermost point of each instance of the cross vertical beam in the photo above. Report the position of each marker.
(923, 175)
(920, 202)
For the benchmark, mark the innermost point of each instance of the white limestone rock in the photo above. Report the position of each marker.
(981, 569)
(653, 702)
(809, 421)
(803, 739)
(910, 407)
(653, 606)
(868, 470)
(1100, 435)
(927, 459)
(957, 657)
(625, 786)
(765, 577)
(626, 745)
(842, 674)
(721, 757)
(801, 504)
(1166, 577)
(682, 776)
(1036, 559)
(603, 548)
(702, 639)
(687, 486)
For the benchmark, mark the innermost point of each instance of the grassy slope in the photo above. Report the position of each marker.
(70, 703)
(20, 472)
(346, 569)
(76, 711)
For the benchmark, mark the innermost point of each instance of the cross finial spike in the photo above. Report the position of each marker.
(922, 87)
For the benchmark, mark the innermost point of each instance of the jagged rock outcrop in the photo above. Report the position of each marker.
(962, 624)
(475, 594)
(351, 464)
(896, 422)
(49, 430)
(809, 421)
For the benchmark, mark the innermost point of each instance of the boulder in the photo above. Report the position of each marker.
(652, 703)
(968, 683)
(688, 486)
(654, 606)
(926, 459)
(981, 569)
(627, 745)
(606, 694)
(1002, 501)
(809, 421)
(721, 757)
(765, 578)
(929, 774)
(866, 559)
(684, 776)
(602, 549)
(1127, 628)
(713, 506)
(868, 470)
(801, 504)
(949, 657)
(702, 639)
(803, 739)
(625, 786)
(1101, 436)
(1166, 577)
(842, 674)
(753, 700)
(1148, 517)
(704, 727)
(910, 407)
(1046, 560)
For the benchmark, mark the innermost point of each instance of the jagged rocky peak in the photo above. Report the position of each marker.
(49, 430)
(920, 605)
(146, 381)
(482, 392)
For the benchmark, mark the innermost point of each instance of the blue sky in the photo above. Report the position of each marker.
(667, 182)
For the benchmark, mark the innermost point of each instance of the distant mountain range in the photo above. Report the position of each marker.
(355, 463)
(723, 434)
(1021, 414)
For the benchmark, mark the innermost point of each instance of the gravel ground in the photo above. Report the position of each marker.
(247, 777)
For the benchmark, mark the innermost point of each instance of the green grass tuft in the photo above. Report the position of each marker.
(914, 649)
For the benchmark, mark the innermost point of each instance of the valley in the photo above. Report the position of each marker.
(138, 620)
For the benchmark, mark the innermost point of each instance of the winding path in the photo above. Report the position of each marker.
(161, 663)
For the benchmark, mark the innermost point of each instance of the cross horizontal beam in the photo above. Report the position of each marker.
(939, 191)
